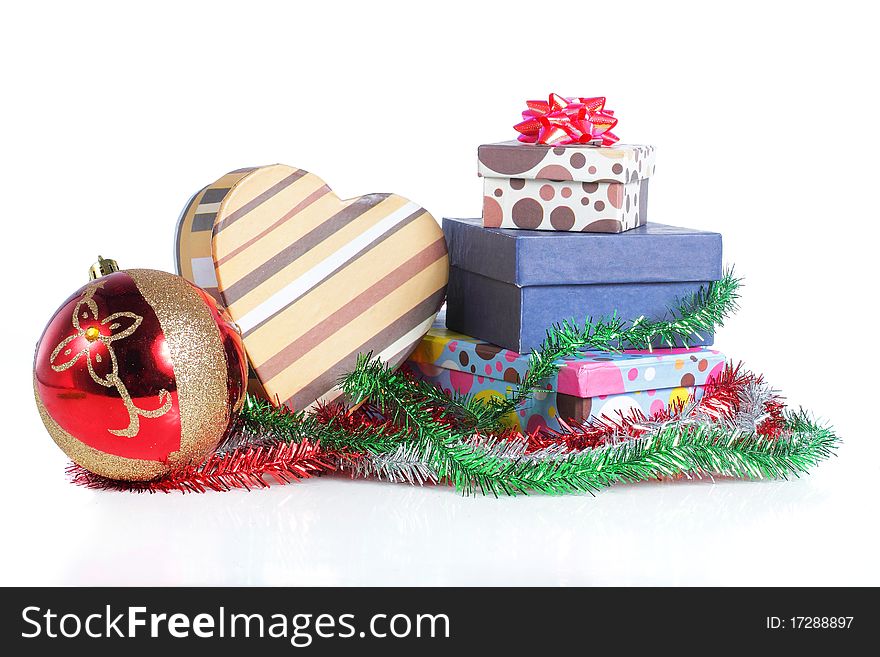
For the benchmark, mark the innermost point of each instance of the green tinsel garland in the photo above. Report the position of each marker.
(701, 313)
(498, 465)
(674, 451)
(460, 439)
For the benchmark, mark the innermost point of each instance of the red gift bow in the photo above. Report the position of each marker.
(567, 121)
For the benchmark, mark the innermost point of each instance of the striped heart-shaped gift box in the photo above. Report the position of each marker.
(310, 279)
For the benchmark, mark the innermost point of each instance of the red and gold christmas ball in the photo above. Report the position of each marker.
(137, 373)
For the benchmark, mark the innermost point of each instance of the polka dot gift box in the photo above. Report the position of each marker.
(592, 385)
(575, 187)
(566, 171)
(508, 286)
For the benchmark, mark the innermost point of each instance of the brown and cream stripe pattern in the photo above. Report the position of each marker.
(312, 280)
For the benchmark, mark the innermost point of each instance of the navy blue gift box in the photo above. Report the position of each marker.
(508, 286)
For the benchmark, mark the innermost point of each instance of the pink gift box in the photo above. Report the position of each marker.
(592, 384)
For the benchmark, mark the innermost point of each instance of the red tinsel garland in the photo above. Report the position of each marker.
(720, 401)
(257, 465)
(248, 467)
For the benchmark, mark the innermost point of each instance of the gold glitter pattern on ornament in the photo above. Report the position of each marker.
(198, 359)
(101, 463)
(113, 327)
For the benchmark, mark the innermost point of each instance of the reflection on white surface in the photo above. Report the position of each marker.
(336, 531)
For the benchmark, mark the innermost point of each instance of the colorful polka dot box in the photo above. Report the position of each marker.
(508, 286)
(593, 384)
(576, 187)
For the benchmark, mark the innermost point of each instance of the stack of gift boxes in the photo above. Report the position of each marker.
(565, 235)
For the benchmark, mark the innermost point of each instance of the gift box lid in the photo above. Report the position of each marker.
(581, 162)
(653, 253)
(590, 374)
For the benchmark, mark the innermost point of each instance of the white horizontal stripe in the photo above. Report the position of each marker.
(205, 208)
(389, 352)
(298, 287)
(203, 272)
(406, 340)
(326, 398)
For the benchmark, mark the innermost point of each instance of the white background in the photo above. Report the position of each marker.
(765, 119)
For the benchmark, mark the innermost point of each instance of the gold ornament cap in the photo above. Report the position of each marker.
(102, 268)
